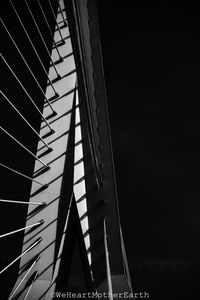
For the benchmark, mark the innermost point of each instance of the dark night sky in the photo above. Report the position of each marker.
(152, 72)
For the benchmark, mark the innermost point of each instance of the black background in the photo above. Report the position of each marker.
(152, 71)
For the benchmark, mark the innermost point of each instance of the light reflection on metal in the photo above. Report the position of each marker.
(109, 279)
(21, 229)
(29, 289)
(43, 41)
(11, 104)
(20, 283)
(23, 253)
(56, 71)
(49, 29)
(24, 89)
(56, 21)
(22, 56)
(23, 175)
(23, 202)
(26, 149)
